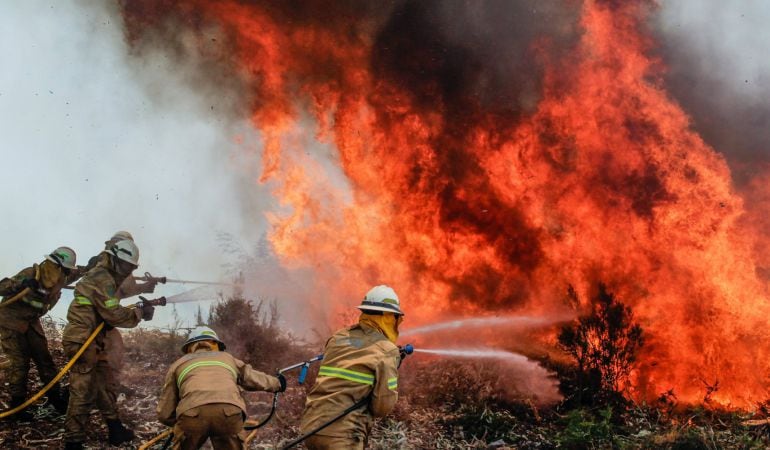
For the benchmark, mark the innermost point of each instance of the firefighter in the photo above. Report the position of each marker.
(95, 302)
(113, 341)
(200, 396)
(20, 329)
(360, 362)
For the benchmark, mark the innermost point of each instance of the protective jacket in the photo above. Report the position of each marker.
(206, 377)
(95, 302)
(26, 311)
(129, 287)
(359, 361)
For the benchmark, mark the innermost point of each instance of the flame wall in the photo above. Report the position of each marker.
(472, 194)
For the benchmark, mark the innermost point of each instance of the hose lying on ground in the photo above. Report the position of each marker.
(155, 440)
(344, 413)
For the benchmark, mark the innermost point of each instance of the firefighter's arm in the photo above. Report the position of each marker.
(130, 287)
(76, 274)
(14, 284)
(9, 286)
(169, 399)
(385, 390)
(254, 380)
(108, 306)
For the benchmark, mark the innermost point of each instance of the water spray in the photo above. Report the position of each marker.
(474, 353)
(147, 277)
(478, 322)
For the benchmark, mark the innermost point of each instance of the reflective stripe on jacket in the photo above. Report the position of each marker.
(358, 361)
(205, 377)
(95, 302)
(25, 312)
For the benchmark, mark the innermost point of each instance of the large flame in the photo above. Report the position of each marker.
(468, 209)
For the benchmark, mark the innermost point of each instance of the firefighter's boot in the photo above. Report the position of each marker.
(23, 415)
(118, 433)
(59, 398)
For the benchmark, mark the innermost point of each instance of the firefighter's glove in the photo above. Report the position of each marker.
(282, 380)
(30, 283)
(149, 286)
(148, 311)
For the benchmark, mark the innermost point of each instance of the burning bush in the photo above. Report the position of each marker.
(604, 345)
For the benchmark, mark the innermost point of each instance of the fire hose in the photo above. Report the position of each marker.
(16, 297)
(156, 302)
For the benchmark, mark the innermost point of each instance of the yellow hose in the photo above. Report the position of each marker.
(61, 373)
(251, 436)
(16, 297)
(155, 440)
(58, 377)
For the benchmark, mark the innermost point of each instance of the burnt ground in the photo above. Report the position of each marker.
(442, 406)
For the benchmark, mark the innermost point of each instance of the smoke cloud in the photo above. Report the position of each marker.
(716, 55)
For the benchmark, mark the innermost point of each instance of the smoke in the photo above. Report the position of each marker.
(457, 53)
(716, 55)
(93, 142)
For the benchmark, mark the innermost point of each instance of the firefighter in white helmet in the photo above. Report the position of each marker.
(360, 361)
(96, 302)
(200, 396)
(114, 349)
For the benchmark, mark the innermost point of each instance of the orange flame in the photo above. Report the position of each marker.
(466, 210)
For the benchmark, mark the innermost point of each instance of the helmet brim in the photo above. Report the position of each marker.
(390, 308)
(58, 263)
(221, 344)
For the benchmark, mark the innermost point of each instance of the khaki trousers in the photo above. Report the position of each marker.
(220, 422)
(20, 348)
(90, 379)
(317, 442)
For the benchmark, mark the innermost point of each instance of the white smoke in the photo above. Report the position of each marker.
(716, 57)
(91, 145)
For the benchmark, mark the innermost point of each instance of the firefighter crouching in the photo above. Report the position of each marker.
(200, 396)
(359, 361)
(96, 302)
(20, 329)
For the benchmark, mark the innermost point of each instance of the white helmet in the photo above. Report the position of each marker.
(381, 298)
(122, 236)
(202, 333)
(125, 250)
(117, 237)
(63, 256)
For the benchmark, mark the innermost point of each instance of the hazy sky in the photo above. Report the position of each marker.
(86, 151)
(92, 143)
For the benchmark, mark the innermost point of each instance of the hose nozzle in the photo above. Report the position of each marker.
(407, 349)
(160, 301)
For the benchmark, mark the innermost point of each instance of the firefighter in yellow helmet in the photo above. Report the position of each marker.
(359, 362)
(95, 303)
(28, 296)
(200, 396)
